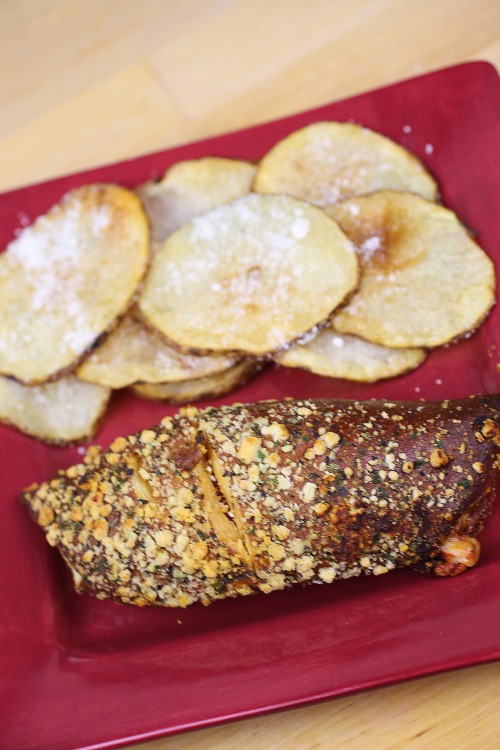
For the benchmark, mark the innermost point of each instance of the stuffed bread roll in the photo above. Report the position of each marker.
(245, 498)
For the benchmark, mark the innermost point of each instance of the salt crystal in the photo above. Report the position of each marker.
(438, 381)
(338, 341)
(78, 340)
(354, 209)
(429, 148)
(300, 228)
(406, 128)
(417, 389)
(370, 246)
(100, 220)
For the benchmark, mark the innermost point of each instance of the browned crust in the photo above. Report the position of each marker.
(317, 489)
(132, 524)
(414, 503)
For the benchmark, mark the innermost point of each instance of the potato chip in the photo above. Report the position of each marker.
(190, 188)
(133, 353)
(336, 355)
(63, 411)
(329, 161)
(66, 278)
(249, 276)
(192, 390)
(424, 280)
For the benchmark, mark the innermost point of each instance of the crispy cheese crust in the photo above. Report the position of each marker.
(230, 501)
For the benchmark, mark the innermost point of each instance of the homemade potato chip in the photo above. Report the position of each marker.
(60, 412)
(329, 161)
(133, 353)
(424, 280)
(190, 188)
(339, 356)
(192, 390)
(249, 276)
(66, 278)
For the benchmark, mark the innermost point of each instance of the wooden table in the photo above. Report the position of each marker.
(90, 81)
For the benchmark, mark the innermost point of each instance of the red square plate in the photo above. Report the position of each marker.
(79, 673)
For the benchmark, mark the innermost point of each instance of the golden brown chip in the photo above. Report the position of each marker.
(63, 411)
(66, 278)
(193, 390)
(424, 280)
(329, 161)
(249, 276)
(336, 355)
(190, 188)
(133, 353)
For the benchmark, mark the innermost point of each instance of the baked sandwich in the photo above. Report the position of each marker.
(245, 498)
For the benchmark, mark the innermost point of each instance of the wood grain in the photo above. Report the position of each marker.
(83, 83)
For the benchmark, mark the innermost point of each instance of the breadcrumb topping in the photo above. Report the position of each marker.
(244, 498)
